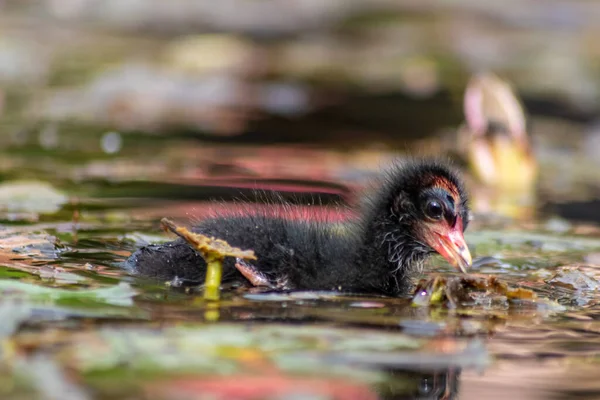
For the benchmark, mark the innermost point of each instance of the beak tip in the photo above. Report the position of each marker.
(465, 262)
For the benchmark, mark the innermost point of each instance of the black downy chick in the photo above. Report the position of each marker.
(420, 208)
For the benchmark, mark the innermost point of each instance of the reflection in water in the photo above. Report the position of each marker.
(433, 385)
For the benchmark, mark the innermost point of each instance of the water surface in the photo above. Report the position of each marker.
(75, 326)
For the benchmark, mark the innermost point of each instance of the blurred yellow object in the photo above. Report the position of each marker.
(496, 144)
(500, 162)
(495, 135)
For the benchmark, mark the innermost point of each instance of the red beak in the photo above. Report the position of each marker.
(450, 244)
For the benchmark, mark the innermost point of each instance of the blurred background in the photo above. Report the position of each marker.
(190, 100)
(115, 113)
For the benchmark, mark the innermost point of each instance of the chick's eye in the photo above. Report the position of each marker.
(434, 210)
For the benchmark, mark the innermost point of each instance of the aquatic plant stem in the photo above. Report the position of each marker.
(214, 271)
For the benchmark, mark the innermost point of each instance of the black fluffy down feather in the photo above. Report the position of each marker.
(372, 255)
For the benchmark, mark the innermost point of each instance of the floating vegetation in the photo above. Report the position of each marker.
(459, 290)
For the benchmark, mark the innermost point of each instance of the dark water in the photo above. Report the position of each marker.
(74, 326)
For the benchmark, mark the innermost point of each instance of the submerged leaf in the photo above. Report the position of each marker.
(574, 278)
(119, 295)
